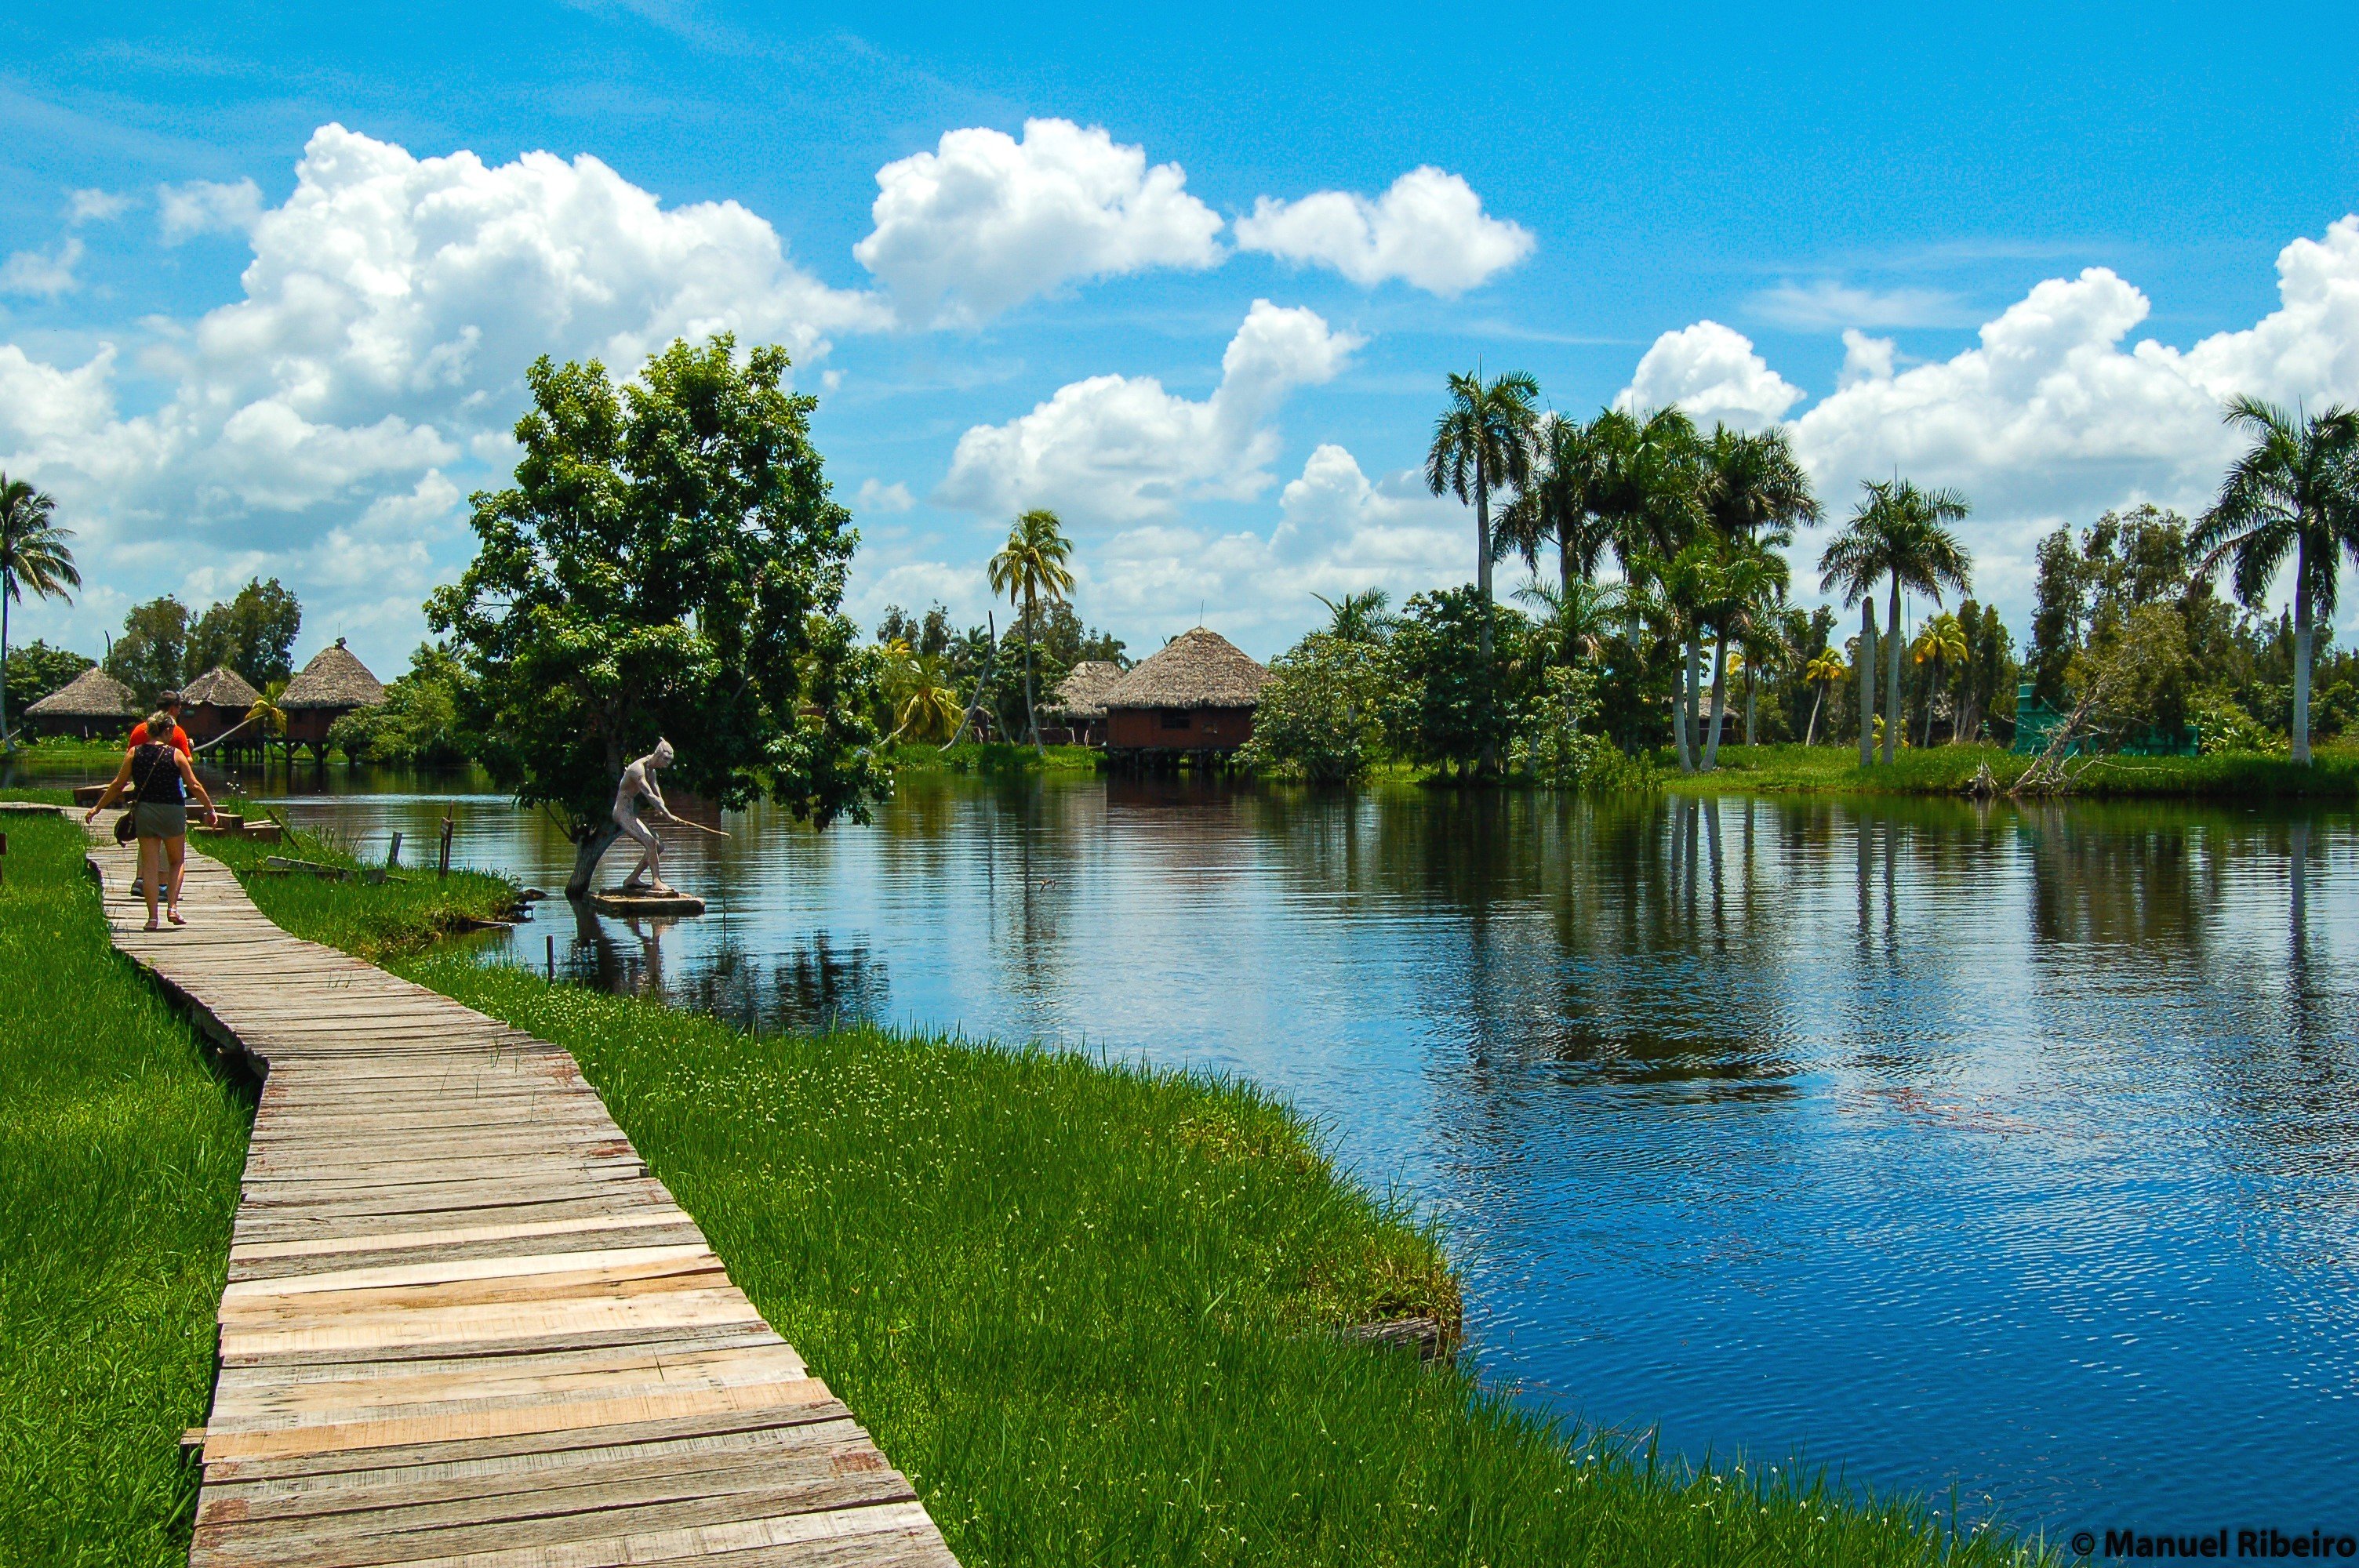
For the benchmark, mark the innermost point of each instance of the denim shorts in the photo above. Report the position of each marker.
(160, 820)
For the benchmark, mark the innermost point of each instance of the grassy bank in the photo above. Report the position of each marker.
(120, 1153)
(1944, 769)
(997, 758)
(1092, 1309)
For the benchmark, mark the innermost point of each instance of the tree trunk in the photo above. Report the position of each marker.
(1866, 682)
(4, 585)
(588, 851)
(2302, 654)
(1690, 679)
(1490, 763)
(1031, 718)
(1811, 734)
(1893, 721)
(1719, 702)
(1752, 693)
(1932, 683)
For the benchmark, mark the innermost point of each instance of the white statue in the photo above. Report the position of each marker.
(639, 782)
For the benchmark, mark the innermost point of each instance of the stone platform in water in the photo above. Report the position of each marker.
(613, 900)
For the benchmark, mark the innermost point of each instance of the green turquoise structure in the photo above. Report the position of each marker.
(2035, 722)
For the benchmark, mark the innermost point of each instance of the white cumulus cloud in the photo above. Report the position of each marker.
(1429, 231)
(874, 497)
(204, 207)
(1713, 372)
(984, 221)
(95, 206)
(1117, 450)
(46, 274)
(387, 314)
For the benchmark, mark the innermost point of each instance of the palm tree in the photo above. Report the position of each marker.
(1482, 444)
(1579, 618)
(1357, 617)
(1821, 672)
(1031, 567)
(1941, 642)
(1755, 491)
(1559, 505)
(33, 554)
(1649, 491)
(929, 705)
(2296, 490)
(1899, 533)
(1748, 585)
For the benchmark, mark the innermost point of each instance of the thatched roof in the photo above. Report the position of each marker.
(220, 686)
(1195, 669)
(334, 678)
(93, 694)
(1081, 694)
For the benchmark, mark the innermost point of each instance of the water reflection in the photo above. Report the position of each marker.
(1949, 1142)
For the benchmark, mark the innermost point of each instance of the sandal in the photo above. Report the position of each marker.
(151, 926)
(174, 917)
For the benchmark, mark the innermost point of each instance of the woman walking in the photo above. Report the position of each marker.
(158, 776)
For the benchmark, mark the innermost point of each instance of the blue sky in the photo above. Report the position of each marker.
(1877, 223)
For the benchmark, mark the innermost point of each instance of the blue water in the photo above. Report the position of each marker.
(2013, 1154)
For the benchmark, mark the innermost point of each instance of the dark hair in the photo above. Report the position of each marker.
(168, 698)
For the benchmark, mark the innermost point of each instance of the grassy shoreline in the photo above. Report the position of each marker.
(1945, 770)
(1089, 1308)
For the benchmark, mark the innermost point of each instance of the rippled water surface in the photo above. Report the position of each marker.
(2008, 1151)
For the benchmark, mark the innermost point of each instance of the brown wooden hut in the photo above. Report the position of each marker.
(333, 684)
(1193, 701)
(217, 702)
(1079, 701)
(92, 706)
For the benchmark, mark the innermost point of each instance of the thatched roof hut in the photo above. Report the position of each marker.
(92, 703)
(1195, 669)
(335, 678)
(1081, 694)
(1195, 696)
(220, 686)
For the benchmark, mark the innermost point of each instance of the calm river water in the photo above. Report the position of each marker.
(2009, 1151)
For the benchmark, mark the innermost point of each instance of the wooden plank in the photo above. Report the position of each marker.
(465, 1325)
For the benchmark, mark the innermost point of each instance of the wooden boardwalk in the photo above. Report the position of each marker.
(463, 1324)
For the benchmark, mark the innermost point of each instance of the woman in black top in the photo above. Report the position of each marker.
(157, 778)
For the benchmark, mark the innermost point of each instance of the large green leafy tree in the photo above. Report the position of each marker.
(2295, 492)
(1899, 535)
(1319, 715)
(1454, 699)
(153, 652)
(253, 633)
(33, 555)
(1648, 480)
(1028, 568)
(668, 565)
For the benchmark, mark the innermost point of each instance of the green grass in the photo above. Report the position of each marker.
(120, 1153)
(407, 913)
(994, 757)
(1944, 769)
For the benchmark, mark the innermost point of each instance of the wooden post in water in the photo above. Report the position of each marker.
(442, 860)
(552, 961)
(393, 853)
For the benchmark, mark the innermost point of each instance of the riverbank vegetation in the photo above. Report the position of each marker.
(2332, 775)
(1093, 1310)
(121, 1148)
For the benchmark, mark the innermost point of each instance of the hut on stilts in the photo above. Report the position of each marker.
(1192, 701)
(94, 706)
(1078, 702)
(215, 704)
(333, 684)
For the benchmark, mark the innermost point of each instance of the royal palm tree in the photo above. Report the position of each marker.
(1821, 672)
(1357, 617)
(1559, 505)
(1029, 567)
(1755, 491)
(1649, 491)
(1747, 588)
(33, 555)
(1941, 643)
(1483, 446)
(2296, 490)
(1900, 534)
